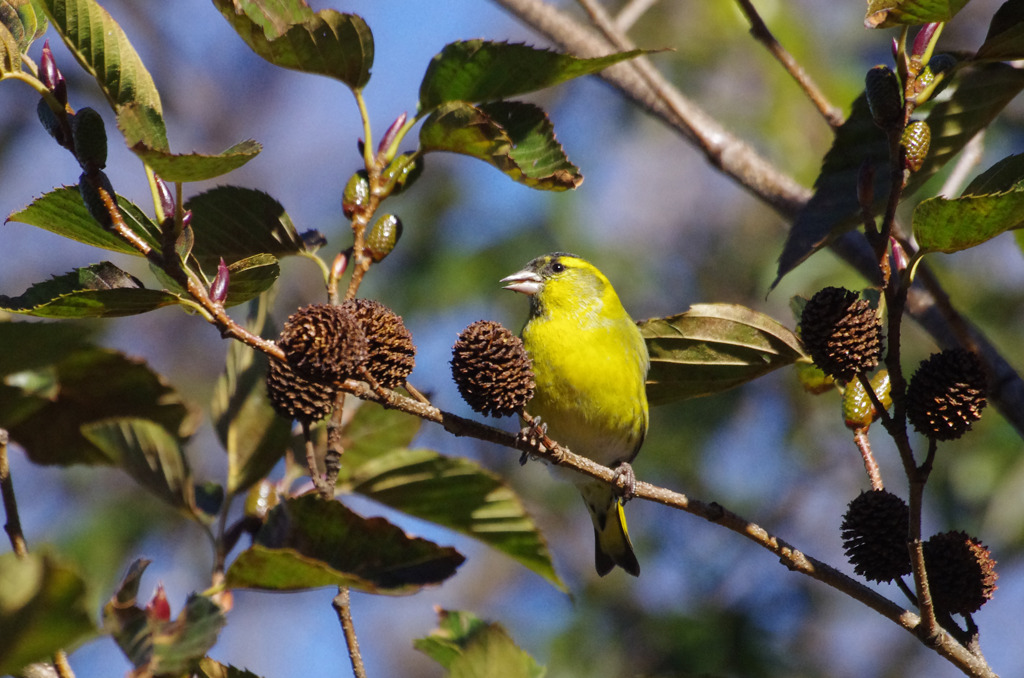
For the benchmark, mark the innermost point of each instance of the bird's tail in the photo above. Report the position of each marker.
(611, 537)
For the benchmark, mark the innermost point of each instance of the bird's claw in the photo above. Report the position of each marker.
(533, 436)
(625, 480)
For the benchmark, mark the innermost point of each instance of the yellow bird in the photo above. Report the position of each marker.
(590, 363)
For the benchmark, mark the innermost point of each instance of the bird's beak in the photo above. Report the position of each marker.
(525, 281)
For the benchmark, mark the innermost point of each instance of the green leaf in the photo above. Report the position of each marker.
(711, 348)
(455, 493)
(236, 223)
(62, 211)
(308, 543)
(478, 70)
(1005, 39)
(23, 21)
(251, 277)
(979, 94)
(10, 53)
(1005, 175)
(516, 138)
(103, 50)
(98, 291)
(43, 608)
(942, 225)
(35, 345)
(254, 438)
(289, 34)
(189, 166)
(889, 13)
(97, 385)
(155, 646)
(149, 453)
(468, 647)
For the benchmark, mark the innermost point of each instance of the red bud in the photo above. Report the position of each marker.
(389, 136)
(186, 219)
(923, 38)
(340, 263)
(158, 608)
(165, 196)
(899, 255)
(51, 76)
(219, 288)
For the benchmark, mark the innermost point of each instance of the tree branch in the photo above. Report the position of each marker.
(942, 642)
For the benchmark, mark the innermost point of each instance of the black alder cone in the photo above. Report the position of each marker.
(841, 332)
(296, 398)
(492, 370)
(947, 394)
(324, 343)
(961, 572)
(875, 536)
(391, 354)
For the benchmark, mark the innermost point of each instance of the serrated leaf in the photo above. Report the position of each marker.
(190, 166)
(289, 34)
(21, 21)
(61, 211)
(149, 453)
(96, 385)
(43, 608)
(104, 51)
(157, 647)
(979, 94)
(1005, 38)
(711, 348)
(942, 225)
(251, 277)
(98, 291)
(516, 138)
(455, 493)
(10, 53)
(36, 345)
(235, 223)
(889, 13)
(1005, 175)
(460, 127)
(479, 70)
(468, 647)
(253, 437)
(307, 542)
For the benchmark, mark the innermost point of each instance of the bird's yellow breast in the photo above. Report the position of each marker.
(590, 364)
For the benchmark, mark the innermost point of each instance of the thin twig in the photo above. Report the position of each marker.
(860, 438)
(833, 116)
(344, 609)
(314, 473)
(13, 524)
(60, 663)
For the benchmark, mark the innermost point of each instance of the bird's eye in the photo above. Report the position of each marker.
(558, 267)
